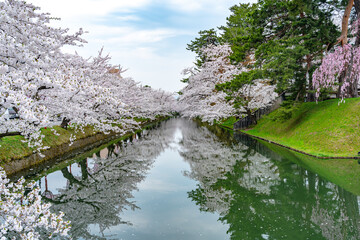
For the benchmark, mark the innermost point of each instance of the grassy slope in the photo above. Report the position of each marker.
(323, 129)
(228, 123)
(12, 147)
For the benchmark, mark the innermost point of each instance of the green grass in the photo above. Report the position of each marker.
(321, 129)
(228, 122)
(13, 147)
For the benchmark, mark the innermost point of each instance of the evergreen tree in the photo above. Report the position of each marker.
(285, 38)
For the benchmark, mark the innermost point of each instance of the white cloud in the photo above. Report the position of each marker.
(143, 36)
(128, 18)
(155, 55)
(203, 5)
(67, 9)
(129, 35)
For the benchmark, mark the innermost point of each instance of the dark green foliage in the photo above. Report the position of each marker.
(206, 37)
(285, 112)
(286, 37)
(241, 32)
(184, 80)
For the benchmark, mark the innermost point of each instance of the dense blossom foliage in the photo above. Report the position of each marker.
(201, 98)
(22, 213)
(340, 69)
(43, 84)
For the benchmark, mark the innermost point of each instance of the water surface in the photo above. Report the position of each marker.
(185, 181)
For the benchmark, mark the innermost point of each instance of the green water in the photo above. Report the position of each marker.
(185, 181)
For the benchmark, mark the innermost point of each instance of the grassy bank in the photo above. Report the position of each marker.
(14, 147)
(55, 166)
(227, 123)
(322, 129)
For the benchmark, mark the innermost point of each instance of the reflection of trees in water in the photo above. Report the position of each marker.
(106, 183)
(210, 160)
(260, 195)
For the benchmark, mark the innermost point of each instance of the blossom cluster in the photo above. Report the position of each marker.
(200, 98)
(23, 215)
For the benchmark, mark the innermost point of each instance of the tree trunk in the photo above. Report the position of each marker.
(84, 171)
(310, 90)
(64, 123)
(353, 82)
(70, 177)
(353, 87)
(345, 76)
(345, 23)
(342, 77)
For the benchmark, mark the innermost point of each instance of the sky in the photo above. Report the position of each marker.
(147, 37)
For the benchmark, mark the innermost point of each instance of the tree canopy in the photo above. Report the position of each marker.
(282, 43)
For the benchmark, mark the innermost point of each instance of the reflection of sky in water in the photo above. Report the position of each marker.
(165, 210)
(57, 181)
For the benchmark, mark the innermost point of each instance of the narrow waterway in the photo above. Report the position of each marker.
(185, 181)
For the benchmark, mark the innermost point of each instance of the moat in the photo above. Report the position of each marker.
(181, 180)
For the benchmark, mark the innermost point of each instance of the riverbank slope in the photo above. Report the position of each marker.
(16, 155)
(323, 129)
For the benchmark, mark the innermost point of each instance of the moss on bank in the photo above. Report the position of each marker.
(324, 129)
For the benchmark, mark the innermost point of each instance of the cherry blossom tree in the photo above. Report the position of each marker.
(340, 69)
(333, 71)
(210, 88)
(200, 98)
(23, 215)
(42, 83)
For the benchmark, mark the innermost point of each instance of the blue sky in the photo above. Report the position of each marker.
(147, 37)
